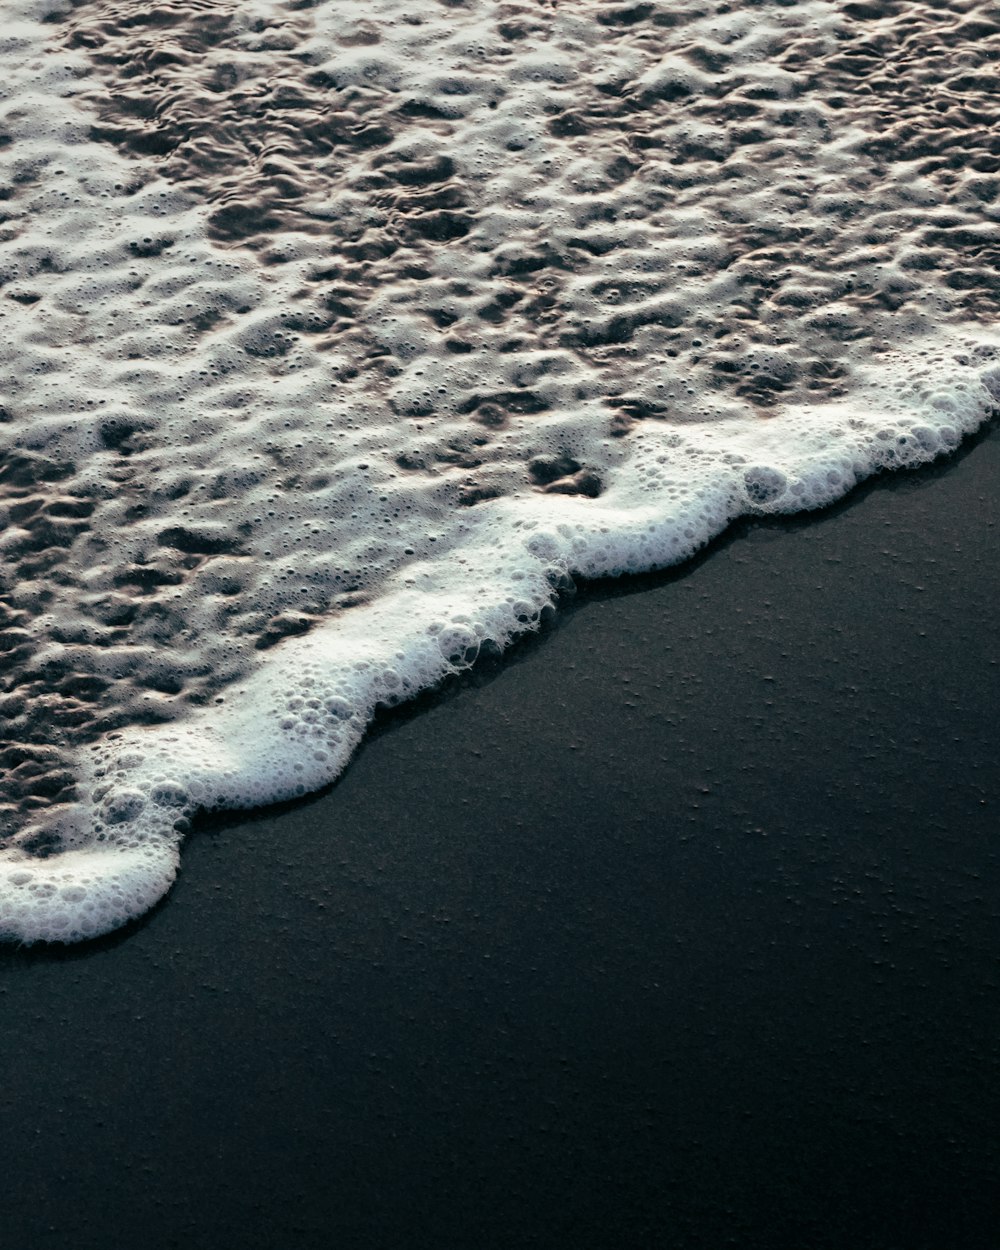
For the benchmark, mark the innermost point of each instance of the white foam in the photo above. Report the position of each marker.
(248, 481)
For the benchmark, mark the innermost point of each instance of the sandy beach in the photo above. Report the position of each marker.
(692, 942)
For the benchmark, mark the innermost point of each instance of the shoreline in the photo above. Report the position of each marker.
(676, 927)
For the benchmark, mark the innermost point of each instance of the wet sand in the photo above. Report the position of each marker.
(690, 941)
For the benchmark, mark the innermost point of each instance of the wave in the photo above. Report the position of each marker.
(339, 339)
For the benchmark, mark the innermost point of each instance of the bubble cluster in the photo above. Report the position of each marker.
(337, 340)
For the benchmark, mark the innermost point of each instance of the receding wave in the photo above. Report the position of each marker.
(339, 338)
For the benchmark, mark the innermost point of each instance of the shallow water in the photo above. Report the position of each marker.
(339, 340)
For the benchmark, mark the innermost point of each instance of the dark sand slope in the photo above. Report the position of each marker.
(692, 942)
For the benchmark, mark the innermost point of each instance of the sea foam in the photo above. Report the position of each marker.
(338, 339)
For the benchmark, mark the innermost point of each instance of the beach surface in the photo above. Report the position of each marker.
(676, 928)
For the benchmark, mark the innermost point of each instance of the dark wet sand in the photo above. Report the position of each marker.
(680, 930)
